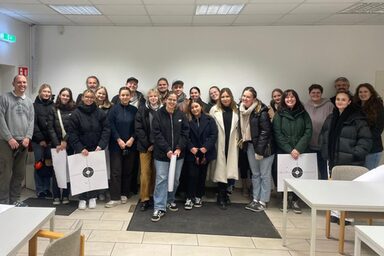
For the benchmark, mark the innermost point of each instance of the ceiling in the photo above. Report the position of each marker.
(181, 13)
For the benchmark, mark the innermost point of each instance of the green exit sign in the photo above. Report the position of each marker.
(7, 37)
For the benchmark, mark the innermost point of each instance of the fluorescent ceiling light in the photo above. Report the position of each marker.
(76, 9)
(365, 8)
(223, 9)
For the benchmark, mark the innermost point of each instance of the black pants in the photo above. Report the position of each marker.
(121, 174)
(196, 179)
(245, 170)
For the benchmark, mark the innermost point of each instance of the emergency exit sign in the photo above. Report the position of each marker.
(7, 38)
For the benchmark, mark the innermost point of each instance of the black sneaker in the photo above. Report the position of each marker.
(157, 214)
(144, 206)
(296, 207)
(254, 206)
(282, 208)
(188, 204)
(335, 219)
(172, 207)
(42, 195)
(20, 204)
(48, 194)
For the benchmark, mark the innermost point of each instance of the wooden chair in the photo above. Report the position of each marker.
(70, 244)
(348, 172)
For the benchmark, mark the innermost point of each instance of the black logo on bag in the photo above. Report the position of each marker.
(297, 172)
(88, 172)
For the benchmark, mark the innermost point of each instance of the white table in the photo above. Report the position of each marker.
(333, 195)
(373, 236)
(19, 224)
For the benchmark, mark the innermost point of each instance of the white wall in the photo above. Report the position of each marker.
(264, 57)
(15, 54)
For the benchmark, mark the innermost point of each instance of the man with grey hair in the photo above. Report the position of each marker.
(16, 130)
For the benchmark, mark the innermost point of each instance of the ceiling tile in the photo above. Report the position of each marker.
(29, 8)
(116, 1)
(178, 10)
(121, 9)
(214, 20)
(20, 1)
(130, 20)
(49, 19)
(220, 1)
(259, 19)
(275, 1)
(89, 20)
(176, 20)
(332, 1)
(66, 2)
(158, 2)
(300, 19)
(320, 8)
(375, 20)
(345, 19)
(268, 8)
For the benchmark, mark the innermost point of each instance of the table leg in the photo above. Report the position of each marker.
(313, 231)
(285, 204)
(357, 245)
(341, 232)
(32, 246)
(52, 226)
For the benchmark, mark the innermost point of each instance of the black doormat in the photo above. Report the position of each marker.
(61, 209)
(209, 219)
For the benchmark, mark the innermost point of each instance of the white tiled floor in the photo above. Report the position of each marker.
(105, 231)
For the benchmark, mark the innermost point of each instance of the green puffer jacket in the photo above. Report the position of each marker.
(292, 130)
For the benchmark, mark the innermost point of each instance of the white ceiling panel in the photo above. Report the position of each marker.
(20, 1)
(29, 8)
(158, 2)
(320, 8)
(49, 19)
(177, 10)
(300, 19)
(260, 19)
(375, 20)
(214, 20)
(275, 1)
(167, 20)
(221, 1)
(89, 20)
(268, 8)
(121, 9)
(130, 20)
(332, 1)
(64, 2)
(116, 1)
(345, 19)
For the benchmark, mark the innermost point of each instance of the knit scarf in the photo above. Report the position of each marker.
(244, 120)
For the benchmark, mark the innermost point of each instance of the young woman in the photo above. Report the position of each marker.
(214, 94)
(226, 116)
(162, 88)
(256, 132)
(318, 109)
(102, 99)
(88, 131)
(345, 136)
(201, 150)
(170, 130)
(292, 127)
(275, 101)
(41, 142)
(122, 147)
(194, 94)
(372, 106)
(145, 144)
(58, 127)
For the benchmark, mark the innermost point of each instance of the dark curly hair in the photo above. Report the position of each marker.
(372, 105)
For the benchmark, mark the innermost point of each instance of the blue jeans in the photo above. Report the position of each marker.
(161, 196)
(373, 160)
(261, 175)
(42, 184)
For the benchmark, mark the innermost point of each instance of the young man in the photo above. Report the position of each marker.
(137, 98)
(16, 130)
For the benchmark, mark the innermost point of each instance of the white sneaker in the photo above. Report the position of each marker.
(111, 204)
(92, 203)
(124, 199)
(82, 205)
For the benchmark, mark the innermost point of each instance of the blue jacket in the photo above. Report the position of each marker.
(122, 122)
(202, 133)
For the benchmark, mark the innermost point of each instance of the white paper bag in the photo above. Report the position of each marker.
(88, 173)
(60, 166)
(305, 167)
(171, 173)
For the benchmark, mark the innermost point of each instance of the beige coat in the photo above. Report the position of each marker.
(221, 170)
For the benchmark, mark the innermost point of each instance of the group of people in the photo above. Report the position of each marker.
(146, 132)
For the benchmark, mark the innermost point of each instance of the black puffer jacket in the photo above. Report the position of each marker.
(261, 132)
(144, 138)
(353, 143)
(54, 127)
(40, 129)
(171, 132)
(89, 128)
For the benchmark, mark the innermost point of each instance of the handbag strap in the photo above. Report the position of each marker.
(61, 123)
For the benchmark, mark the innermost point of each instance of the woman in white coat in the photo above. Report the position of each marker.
(226, 116)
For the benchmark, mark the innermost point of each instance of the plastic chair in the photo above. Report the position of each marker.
(70, 244)
(349, 173)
